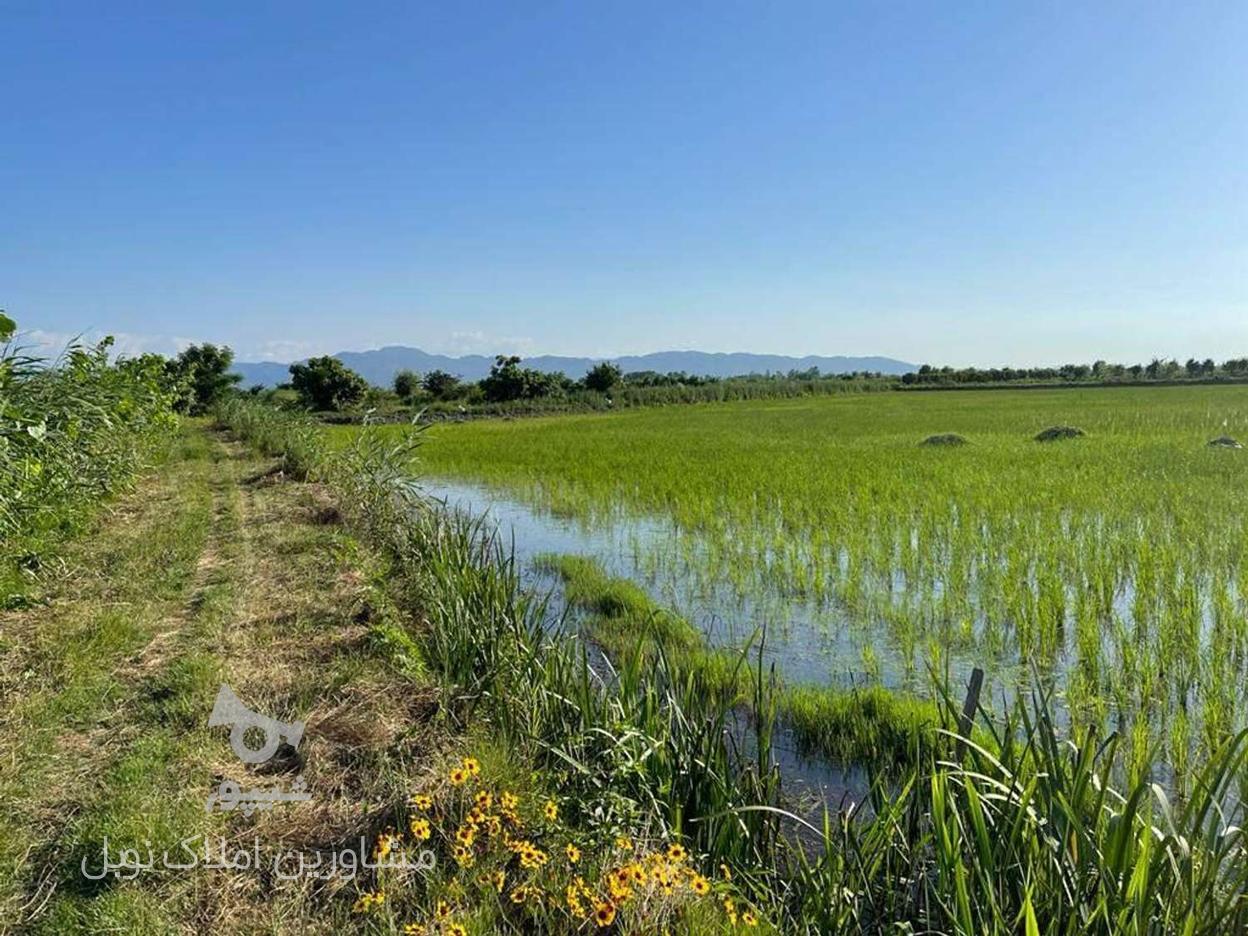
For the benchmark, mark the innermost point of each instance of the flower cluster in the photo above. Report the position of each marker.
(517, 859)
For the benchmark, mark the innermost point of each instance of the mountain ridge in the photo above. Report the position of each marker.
(378, 366)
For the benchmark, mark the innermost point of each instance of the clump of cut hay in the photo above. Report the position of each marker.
(1056, 433)
(946, 438)
(1224, 442)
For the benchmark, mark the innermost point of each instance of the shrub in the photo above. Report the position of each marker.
(201, 373)
(603, 376)
(441, 385)
(325, 383)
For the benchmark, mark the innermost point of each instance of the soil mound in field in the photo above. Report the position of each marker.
(1224, 442)
(945, 438)
(1056, 433)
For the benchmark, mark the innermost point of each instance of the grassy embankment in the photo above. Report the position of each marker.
(214, 570)
(868, 725)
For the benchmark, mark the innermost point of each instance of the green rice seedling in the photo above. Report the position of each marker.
(1003, 554)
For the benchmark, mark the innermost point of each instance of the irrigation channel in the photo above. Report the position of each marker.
(806, 643)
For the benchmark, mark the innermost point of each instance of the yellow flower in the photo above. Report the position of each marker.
(385, 843)
(604, 913)
(498, 879)
(730, 908)
(573, 853)
(509, 801)
(472, 765)
(369, 901)
(443, 910)
(463, 856)
(414, 929)
(748, 918)
(484, 800)
(726, 872)
(676, 852)
(520, 895)
(618, 884)
(421, 829)
(551, 810)
(638, 872)
(624, 843)
(458, 776)
(700, 885)
(575, 907)
(531, 857)
(454, 929)
(422, 802)
(465, 835)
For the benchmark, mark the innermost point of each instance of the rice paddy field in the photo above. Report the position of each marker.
(1109, 566)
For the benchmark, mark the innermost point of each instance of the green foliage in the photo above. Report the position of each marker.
(406, 383)
(201, 373)
(71, 434)
(1028, 832)
(1113, 563)
(325, 383)
(293, 437)
(1099, 372)
(441, 385)
(603, 376)
(509, 381)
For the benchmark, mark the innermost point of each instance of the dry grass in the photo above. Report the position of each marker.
(218, 568)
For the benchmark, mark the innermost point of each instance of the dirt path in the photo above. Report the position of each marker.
(215, 570)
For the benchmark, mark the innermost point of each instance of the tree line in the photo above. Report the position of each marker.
(1097, 372)
(200, 375)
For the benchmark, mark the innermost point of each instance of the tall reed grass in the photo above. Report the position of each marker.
(73, 431)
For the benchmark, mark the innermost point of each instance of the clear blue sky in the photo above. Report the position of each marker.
(952, 182)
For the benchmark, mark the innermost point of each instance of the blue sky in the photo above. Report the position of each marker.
(949, 182)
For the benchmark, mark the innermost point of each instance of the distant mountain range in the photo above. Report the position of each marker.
(379, 366)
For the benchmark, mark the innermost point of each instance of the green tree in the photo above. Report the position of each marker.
(201, 376)
(325, 383)
(603, 376)
(509, 381)
(406, 383)
(440, 385)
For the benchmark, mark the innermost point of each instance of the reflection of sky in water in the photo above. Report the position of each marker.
(807, 642)
(803, 648)
(619, 545)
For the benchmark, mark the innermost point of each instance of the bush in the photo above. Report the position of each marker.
(441, 385)
(509, 381)
(325, 383)
(602, 377)
(406, 383)
(201, 374)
